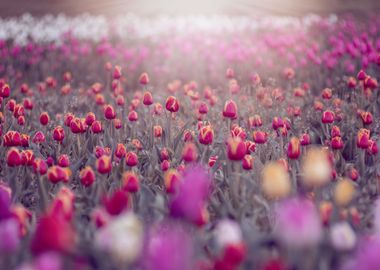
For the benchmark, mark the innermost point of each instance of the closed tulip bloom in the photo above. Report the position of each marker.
(96, 127)
(24, 140)
(44, 118)
(144, 78)
(247, 162)
(147, 98)
(171, 180)
(87, 176)
(363, 138)
(109, 112)
(203, 108)
(133, 116)
(236, 148)
(14, 157)
(259, 137)
(27, 157)
(294, 149)
(189, 152)
(90, 118)
(277, 123)
(164, 154)
(372, 147)
(305, 139)
(327, 93)
(366, 117)
(120, 150)
(255, 121)
(230, 74)
(328, 117)
(206, 135)
(68, 118)
(337, 143)
(103, 164)
(117, 123)
(131, 182)
(5, 91)
(165, 165)
(76, 126)
(131, 159)
(28, 104)
(63, 161)
(117, 72)
(361, 75)
(230, 109)
(335, 131)
(39, 137)
(172, 104)
(157, 131)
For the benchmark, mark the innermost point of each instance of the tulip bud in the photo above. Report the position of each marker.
(206, 135)
(90, 118)
(144, 78)
(363, 138)
(247, 162)
(294, 150)
(109, 112)
(189, 152)
(344, 192)
(337, 143)
(203, 108)
(120, 150)
(103, 164)
(131, 159)
(96, 127)
(131, 182)
(87, 176)
(76, 126)
(117, 72)
(328, 117)
(44, 118)
(366, 118)
(372, 147)
(172, 104)
(259, 137)
(68, 118)
(335, 131)
(165, 165)
(28, 104)
(133, 116)
(236, 148)
(14, 157)
(21, 120)
(316, 167)
(147, 99)
(63, 161)
(39, 137)
(351, 83)
(230, 109)
(361, 75)
(5, 91)
(305, 139)
(171, 180)
(24, 140)
(275, 182)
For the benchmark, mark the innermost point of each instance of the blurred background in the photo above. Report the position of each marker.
(9, 8)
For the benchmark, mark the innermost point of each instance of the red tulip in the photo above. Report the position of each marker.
(120, 150)
(363, 138)
(58, 134)
(255, 121)
(40, 166)
(230, 109)
(337, 142)
(5, 91)
(259, 137)
(366, 118)
(96, 127)
(27, 157)
(131, 159)
(144, 78)
(147, 99)
(103, 164)
(335, 131)
(14, 157)
(236, 148)
(171, 180)
(165, 165)
(109, 112)
(44, 118)
(87, 176)
(157, 131)
(58, 174)
(189, 152)
(39, 137)
(172, 104)
(117, 72)
(116, 203)
(328, 117)
(206, 135)
(63, 161)
(305, 139)
(131, 182)
(372, 147)
(294, 150)
(76, 126)
(247, 162)
(90, 118)
(68, 118)
(133, 116)
(203, 108)
(327, 93)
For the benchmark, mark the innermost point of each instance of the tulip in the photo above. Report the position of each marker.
(157, 131)
(68, 118)
(120, 150)
(189, 152)
(344, 192)
(90, 118)
(366, 118)
(76, 126)
(255, 121)
(337, 143)
(109, 112)
(327, 93)
(328, 117)
(147, 99)
(116, 203)
(206, 135)
(27, 157)
(259, 137)
(230, 109)
(165, 165)
(57, 174)
(144, 78)
(117, 123)
(39, 137)
(275, 182)
(212, 160)
(203, 108)
(277, 123)
(87, 176)
(103, 164)
(230, 74)
(236, 148)
(14, 157)
(335, 131)
(247, 162)
(131, 159)
(96, 127)
(44, 118)
(133, 116)
(171, 180)
(305, 139)
(363, 138)
(28, 104)
(316, 167)
(5, 91)
(172, 104)
(63, 161)
(372, 147)
(294, 149)
(117, 72)
(131, 182)
(24, 140)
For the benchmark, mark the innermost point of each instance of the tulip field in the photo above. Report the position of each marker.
(180, 143)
